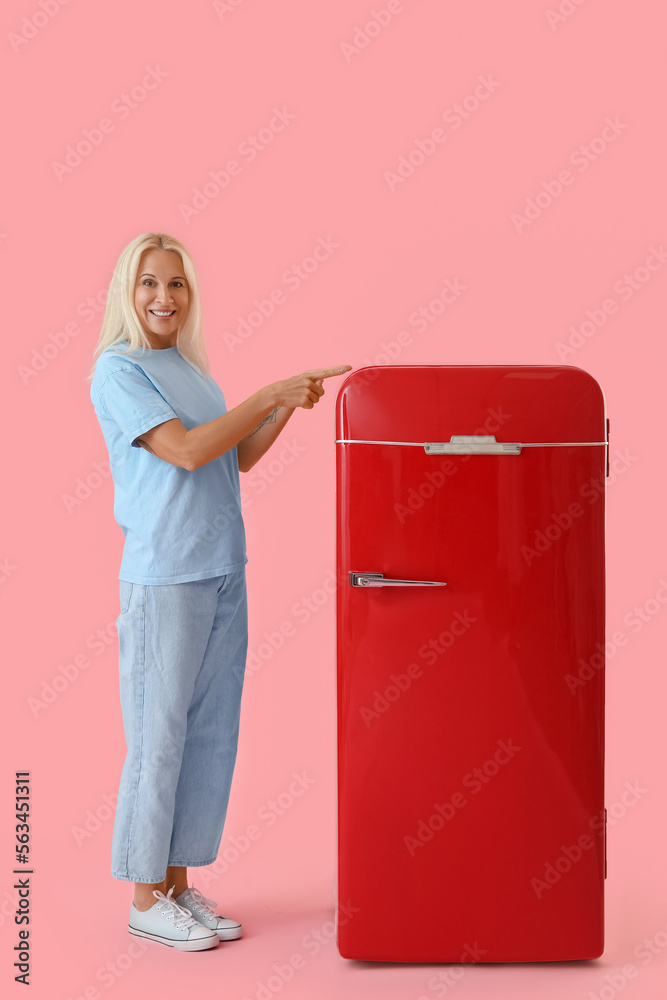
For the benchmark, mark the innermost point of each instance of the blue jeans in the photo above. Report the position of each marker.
(182, 656)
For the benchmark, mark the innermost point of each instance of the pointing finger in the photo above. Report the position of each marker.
(328, 372)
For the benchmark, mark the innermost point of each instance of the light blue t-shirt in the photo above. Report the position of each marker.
(178, 525)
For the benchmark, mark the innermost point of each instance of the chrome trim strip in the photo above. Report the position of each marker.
(522, 444)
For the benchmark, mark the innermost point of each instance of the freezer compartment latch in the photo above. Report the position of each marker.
(471, 444)
(380, 580)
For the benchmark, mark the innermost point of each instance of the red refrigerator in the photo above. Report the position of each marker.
(470, 663)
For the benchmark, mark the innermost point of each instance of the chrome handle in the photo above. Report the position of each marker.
(379, 580)
(471, 444)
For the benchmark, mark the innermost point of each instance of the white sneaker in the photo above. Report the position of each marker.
(201, 909)
(168, 923)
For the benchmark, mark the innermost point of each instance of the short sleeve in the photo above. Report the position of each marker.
(129, 397)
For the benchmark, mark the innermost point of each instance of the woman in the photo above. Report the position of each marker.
(175, 455)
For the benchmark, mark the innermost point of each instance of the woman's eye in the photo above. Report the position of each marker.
(149, 281)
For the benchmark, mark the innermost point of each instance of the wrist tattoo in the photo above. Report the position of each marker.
(144, 444)
(271, 419)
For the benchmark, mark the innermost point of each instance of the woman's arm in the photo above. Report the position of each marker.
(190, 449)
(251, 448)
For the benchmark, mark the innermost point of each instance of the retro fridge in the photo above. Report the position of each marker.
(470, 663)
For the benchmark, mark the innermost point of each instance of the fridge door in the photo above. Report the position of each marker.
(470, 664)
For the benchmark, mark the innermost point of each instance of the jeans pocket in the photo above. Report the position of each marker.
(222, 584)
(125, 596)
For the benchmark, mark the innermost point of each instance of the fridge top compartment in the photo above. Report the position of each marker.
(438, 404)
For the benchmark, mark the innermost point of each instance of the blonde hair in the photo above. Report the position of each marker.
(120, 317)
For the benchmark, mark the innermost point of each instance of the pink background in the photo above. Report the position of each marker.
(356, 113)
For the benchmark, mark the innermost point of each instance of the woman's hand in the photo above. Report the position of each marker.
(305, 389)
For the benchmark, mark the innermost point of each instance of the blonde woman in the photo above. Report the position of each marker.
(175, 455)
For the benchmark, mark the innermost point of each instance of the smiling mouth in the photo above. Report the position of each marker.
(162, 313)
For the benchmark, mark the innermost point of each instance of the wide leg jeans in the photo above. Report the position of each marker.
(182, 657)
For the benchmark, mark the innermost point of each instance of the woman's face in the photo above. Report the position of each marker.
(161, 297)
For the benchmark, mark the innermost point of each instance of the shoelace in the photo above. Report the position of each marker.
(169, 907)
(202, 902)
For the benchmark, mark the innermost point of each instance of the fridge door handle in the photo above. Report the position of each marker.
(380, 580)
(472, 444)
